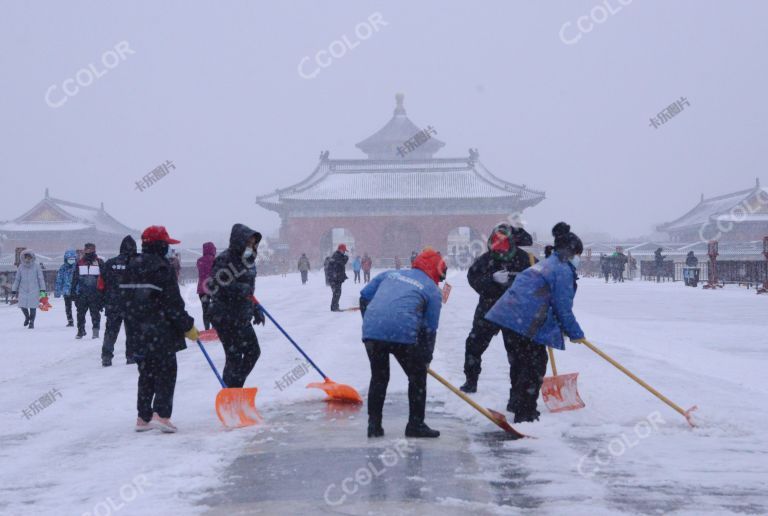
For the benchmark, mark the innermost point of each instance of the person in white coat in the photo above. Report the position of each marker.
(30, 286)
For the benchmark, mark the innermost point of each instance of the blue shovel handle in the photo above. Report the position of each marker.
(210, 363)
(291, 340)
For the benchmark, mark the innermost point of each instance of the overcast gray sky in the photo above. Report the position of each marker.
(215, 88)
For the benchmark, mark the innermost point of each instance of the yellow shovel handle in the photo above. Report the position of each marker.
(552, 361)
(635, 378)
(463, 396)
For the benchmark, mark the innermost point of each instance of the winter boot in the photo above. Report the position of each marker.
(95, 333)
(31, 325)
(142, 426)
(26, 316)
(106, 362)
(374, 428)
(527, 416)
(420, 430)
(80, 334)
(470, 386)
(163, 424)
(70, 324)
(32, 314)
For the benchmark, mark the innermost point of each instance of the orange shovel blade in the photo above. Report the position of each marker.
(209, 335)
(236, 407)
(560, 393)
(501, 421)
(337, 391)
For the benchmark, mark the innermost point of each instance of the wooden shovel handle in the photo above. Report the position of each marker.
(638, 380)
(463, 396)
(552, 361)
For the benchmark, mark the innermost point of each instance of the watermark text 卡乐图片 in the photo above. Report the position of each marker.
(415, 141)
(666, 114)
(44, 401)
(292, 376)
(155, 175)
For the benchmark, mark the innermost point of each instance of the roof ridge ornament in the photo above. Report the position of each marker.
(474, 155)
(399, 108)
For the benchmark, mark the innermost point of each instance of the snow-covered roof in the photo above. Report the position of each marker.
(743, 206)
(384, 143)
(51, 214)
(371, 180)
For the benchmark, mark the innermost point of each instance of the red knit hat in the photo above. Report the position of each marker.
(157, 234)
(432, 264)
(343, 248)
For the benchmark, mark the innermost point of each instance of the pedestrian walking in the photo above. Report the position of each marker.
(109, 284)
(63, 286)
(204, 268)
(29, 286)
(85, 285)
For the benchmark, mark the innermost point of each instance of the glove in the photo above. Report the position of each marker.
(579, 341)
(43, 294)
(363, 306)
(192, 333)
(14, 292)
(501, 277)
(258, 315)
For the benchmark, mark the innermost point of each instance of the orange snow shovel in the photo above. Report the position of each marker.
(559, 391)
(209, 335)
(335, 391)
(236, 407)
(495, 417)
(685, 413)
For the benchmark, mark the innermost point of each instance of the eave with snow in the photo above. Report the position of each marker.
(54, 225)
(735, 217)
(394, 202)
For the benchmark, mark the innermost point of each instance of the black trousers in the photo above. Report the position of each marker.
(157, 382)
(483, 331)
(366, 276)
(303, 277)
(114, 321)
(29, 313)
(413, 358)
(336, 289)
(87, 304)
(242, 350)
(205, 300)
(68, 308)
(527, 367)
(357, 276)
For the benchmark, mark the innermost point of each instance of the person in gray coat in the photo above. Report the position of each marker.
(29, 285)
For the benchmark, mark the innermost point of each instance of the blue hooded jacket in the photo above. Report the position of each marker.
(539, 304)
(401, 305)
(64, 276)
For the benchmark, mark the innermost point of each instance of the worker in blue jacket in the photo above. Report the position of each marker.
(401, 312)
(538, 308)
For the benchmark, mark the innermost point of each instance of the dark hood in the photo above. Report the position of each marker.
(518, 237)
(240, 236)
(128, 246)
(209, 249)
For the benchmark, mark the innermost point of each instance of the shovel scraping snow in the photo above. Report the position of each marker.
(560, 392)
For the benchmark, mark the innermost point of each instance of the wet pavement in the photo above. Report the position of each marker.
(315, 458)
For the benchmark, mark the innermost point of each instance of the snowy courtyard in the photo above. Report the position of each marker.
(67, 444)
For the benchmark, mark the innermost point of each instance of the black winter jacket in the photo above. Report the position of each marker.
(155, 316)
(337, 273)
(112, 275)
(232, 281)
(480, 276)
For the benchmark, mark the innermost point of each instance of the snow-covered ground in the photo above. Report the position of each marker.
(625, 452)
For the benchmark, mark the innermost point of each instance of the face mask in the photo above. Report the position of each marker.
(575, 261)
(71, 261)
(169, 254)
(90, 255)
(248, 253)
